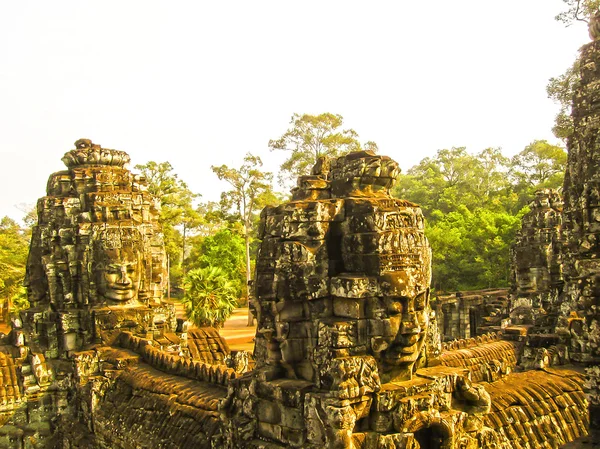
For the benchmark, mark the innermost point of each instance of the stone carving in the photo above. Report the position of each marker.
(94, 362)
(97, 244)
(580, 312)
(537, 251)
(343, 271)
(344, 355)
(537, 265)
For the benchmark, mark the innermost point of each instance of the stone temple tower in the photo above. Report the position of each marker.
(346, 353)
(581, 221)
(96, 262)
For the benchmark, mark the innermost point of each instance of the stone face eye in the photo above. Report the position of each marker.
(113, 269)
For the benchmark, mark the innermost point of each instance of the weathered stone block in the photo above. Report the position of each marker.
(348, 308)
(349, 286)
(268, 412)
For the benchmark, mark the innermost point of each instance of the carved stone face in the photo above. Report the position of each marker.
(410, 316)
(405, 318)
(118, 278)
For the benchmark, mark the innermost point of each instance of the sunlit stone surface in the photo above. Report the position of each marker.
(347, 355)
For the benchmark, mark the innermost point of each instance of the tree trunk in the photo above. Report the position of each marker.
(248, 276)
(183, 260)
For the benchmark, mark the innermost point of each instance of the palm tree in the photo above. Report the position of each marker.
(210, 296)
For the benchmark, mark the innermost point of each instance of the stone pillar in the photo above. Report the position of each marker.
(580, 318)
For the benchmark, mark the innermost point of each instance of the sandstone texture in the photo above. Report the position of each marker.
(580, 309)
(348, 352)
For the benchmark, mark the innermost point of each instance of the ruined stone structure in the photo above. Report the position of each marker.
(95, 362)
(537, 267)
(96, 264)
(557, 271)
(580, 309)
(556, 257)
(347, 355)
(469, 314)
(537, 251)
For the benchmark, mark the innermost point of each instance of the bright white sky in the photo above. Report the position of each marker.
(200, 83)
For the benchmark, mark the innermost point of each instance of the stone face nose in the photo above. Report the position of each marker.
(410, 324)
(124, 278)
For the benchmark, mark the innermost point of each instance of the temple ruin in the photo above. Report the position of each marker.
(95, 361)
(579, 320)
(349, 351)
(348, 354)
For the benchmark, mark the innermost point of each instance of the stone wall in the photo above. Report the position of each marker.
(471, 313)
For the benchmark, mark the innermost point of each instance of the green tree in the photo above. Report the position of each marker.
(454, 177)
(578, 10)
(313, 136)
(473, 204)
(561, 89)
(210, 296)
(540, 165)
(471, 249)
(224, 249)
(14, 247)
(250, 188)
(178, 216)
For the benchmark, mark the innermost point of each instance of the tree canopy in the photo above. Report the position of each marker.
(578, 10)
(14, 247)
(313, 136)
(561, 89)
(226, 250)
(251, 189)
(473, 204)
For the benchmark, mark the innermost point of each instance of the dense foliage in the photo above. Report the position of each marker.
(578, 10)
(14, 246)
(210, 296)
(250, 191)
(473, 205)
(225, 249)
(313, 136)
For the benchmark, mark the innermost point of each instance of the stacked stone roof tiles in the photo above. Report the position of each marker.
(538, 408)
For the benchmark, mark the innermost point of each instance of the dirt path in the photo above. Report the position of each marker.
(238, 335)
